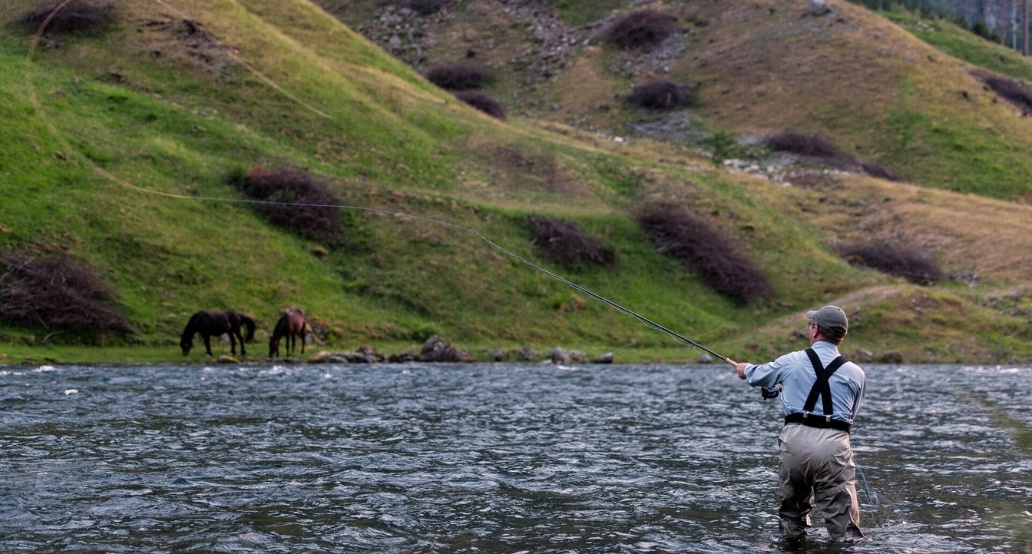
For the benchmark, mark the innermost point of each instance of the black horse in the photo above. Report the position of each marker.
(290, 325)
(214, 324)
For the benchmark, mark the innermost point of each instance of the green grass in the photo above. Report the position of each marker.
(130, 175)
(965, 45)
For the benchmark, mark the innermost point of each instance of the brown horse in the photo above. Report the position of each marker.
(215, 324)
(290, 325)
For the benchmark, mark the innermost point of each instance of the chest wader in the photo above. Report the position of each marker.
(822, 388)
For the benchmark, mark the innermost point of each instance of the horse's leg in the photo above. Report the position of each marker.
(232, 343)
(302, 340)
(207, 343)
(241, 337)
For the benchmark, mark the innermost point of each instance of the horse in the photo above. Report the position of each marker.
(214, 324)
(290, 325)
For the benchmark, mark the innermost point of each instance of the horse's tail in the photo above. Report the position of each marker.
(249, 323)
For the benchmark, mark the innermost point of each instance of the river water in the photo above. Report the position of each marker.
(487, 458)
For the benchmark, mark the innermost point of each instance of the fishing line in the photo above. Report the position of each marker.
(681, 339)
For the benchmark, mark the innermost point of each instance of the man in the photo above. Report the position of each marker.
(816, 459)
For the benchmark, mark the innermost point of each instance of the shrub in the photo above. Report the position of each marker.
(709, 253)
(458, 76)
(421, 7)
(1012, 91)
(78, 17)
(661, 94)
(566, 244)
(875, 169)
(640, 29)
(482, 102)
(804, 145)
(56, 293)
(894, 260)
(294, 201)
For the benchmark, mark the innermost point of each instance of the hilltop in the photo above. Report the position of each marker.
(121, 150)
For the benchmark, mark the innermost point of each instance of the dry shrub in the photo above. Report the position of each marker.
(875, 169)
(566, 244)
(56, 293)
(296, 201)
(1013, 91)
(712, 255)
(661, 94)
(421, 7)
(894, 260)
(805, 145)
(640, 29)
(482, 102)
(80, 17)
(458, 76)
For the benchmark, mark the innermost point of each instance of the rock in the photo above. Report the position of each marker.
(322, 357)
(705, 359)
(863, 356)
(225, 359)
(404, 357)
(558, 356)
(437, 349)
(578, 357)
(891, 358)
(606, 358)
(818, 8)
(524, 354)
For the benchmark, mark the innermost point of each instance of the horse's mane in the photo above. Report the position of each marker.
(191, 325)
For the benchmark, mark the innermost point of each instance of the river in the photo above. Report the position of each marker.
(488, 458)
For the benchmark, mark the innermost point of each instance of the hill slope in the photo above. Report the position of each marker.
(851, 76)
(118, 147)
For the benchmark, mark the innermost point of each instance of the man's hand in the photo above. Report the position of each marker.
(739, 367)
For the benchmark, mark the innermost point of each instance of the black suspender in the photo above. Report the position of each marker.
(821, 388)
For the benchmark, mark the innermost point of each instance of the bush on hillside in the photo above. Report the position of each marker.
(1013, 91)
(640, 29)
(706, 251)
(421, 7)
(805, 145)
(56, 293)
(567, 244)
(661, 94)
(458, 76)
(875, 169)
(295, 201)
(80, 17)
(894, 260)
(482, 102)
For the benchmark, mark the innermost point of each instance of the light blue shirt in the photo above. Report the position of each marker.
(795, 373)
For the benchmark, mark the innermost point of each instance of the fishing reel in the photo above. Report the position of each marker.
(772, 392)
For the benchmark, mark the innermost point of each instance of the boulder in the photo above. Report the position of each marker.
(437, 349)
(558, 356)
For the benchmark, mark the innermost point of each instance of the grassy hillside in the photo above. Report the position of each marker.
(117, 148)
(852, 76)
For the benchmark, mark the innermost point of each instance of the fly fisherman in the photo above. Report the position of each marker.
(816, 460)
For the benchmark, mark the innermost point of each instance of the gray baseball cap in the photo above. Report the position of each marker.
(829, 318)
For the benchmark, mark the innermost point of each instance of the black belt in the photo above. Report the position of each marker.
(817, 421)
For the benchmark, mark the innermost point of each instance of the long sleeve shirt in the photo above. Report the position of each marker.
(796, 374)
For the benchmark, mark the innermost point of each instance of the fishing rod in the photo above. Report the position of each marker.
(122, 182)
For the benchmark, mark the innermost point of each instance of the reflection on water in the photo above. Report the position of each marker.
(496, 458)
